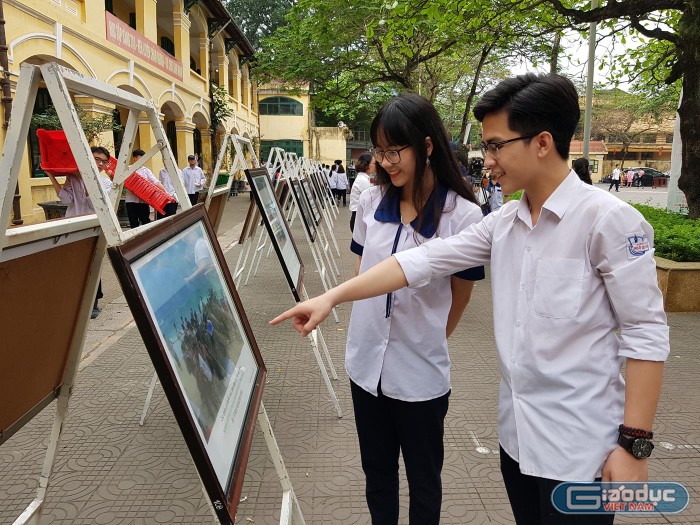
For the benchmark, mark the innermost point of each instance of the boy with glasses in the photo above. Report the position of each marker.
(75, 195)
(570, 266)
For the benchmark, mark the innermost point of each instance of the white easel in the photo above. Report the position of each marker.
(307, 173)
(60, 82)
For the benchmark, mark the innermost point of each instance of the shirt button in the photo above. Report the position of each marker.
(522, 286)
(517, 323)
(527, 249)
(512, 359)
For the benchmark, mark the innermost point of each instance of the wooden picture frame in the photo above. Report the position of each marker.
(308, 191)
(313, 175)
(304, 208)
(277, 228)
(181, 293)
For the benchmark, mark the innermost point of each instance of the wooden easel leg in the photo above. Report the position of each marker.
(291, 511)
(149, 395)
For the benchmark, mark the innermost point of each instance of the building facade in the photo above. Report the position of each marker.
(167, 51)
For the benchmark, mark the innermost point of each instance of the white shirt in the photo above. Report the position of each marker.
(341, 180)
(147, 174)
(495, 197)
(75, 194)
(193, 179)
(560, 291)
(616, 174)
(403, 342)
(361, 183)
(167, 182)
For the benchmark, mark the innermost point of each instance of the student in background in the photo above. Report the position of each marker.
(193, 178)
(139, 211)
(365, 170)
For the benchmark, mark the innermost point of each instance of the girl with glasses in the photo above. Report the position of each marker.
(396, 355)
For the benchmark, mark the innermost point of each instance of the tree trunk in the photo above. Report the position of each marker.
(554, 57)
(472, 92)
(689, 109)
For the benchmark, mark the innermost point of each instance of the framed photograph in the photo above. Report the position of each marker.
(304, 208)
(311, 198)
(195, 329)
(313, 176)
(250, 225)
(277, 228)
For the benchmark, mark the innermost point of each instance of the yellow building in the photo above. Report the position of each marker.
(166, 51)
(287, 122)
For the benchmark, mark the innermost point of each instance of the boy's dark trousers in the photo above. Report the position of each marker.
(530, 499)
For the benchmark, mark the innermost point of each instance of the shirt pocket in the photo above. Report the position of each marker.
(558, 288)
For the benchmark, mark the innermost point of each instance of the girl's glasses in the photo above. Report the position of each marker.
(392, 156)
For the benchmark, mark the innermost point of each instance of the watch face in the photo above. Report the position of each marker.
(641, 448)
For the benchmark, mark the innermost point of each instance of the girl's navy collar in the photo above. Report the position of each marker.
(389, 210)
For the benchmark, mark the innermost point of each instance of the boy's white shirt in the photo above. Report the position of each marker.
(561, 289)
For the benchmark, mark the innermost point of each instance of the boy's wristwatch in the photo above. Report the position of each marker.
(639, 447)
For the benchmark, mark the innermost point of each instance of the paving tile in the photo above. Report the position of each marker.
(109, 470)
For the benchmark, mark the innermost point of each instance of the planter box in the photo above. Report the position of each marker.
(679, 282)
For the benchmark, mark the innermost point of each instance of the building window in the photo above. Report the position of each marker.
(593, 166)
(280, 106)
(42, 102)
(669, 139)
(171, 133)
(109, 6)
(167, 45)
(289, 146)
(132, 20)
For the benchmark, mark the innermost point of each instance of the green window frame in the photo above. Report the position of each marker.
(289, 146)
(280, 106)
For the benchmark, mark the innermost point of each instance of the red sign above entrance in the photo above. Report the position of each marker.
(131, 40)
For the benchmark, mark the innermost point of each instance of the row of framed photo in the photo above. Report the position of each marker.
(194, 326)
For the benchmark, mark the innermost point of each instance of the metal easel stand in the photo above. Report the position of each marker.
(262, 239)
(320, 266)
(291, 511)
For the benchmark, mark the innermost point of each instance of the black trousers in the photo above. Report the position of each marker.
(387, 426)
(352, 221)
(530, 499)
(169, 210)
(194, 197)
(139, 214)
(339, 194)
(615, 183)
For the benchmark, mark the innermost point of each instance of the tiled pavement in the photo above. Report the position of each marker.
(111, 471)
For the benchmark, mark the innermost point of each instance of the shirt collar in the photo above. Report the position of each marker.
(558, 202)
(389, 210)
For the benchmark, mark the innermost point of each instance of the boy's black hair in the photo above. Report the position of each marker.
(407, 120)
(535, 103)
(138, 153)
(100, 149)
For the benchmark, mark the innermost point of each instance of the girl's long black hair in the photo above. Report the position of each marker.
(407, 120)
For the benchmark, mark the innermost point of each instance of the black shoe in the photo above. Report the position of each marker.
(95, 312)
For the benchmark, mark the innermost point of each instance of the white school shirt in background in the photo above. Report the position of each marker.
(147, 174)
(75, 195)
(616, 174)
(341, 181)
(407, 349)
(560, 291)
(361, 183)
(167, 182)
(193, 178)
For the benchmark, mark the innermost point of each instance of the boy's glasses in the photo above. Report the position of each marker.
(392, 156)
(493, 147)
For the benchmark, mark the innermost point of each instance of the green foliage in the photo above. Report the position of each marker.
(93, 124)
(258, 19)
(516, 196)
(221, 106)
(676, 237)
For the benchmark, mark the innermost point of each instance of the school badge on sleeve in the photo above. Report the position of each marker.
(637, 245)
